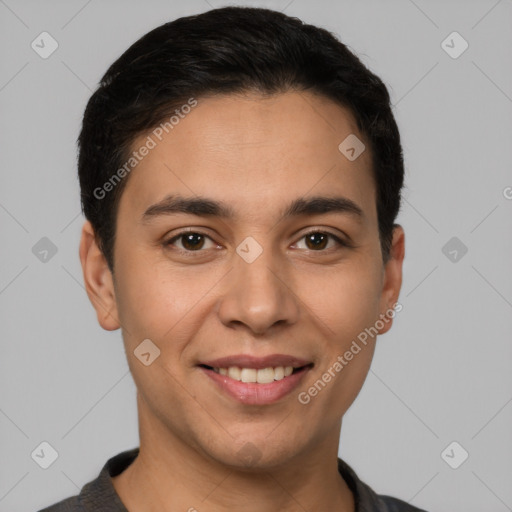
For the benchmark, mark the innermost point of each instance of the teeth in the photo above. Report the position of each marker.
(248, 375)
(265, 375)
(279, 373)
(234, 372)
(262, 376)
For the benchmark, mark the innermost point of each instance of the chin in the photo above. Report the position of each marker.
(256, 454)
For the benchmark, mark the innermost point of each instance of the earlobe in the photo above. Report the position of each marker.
(98, 279)
(392, 281)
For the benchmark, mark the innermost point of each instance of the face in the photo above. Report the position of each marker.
(269, 265)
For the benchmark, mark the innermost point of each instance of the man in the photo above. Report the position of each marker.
(240, 174)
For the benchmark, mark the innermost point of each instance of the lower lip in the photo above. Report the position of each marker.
(252, 393)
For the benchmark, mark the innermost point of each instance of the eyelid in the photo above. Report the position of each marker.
(170, 241)
(341, 241)
(337, 238)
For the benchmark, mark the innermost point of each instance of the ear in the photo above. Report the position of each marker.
(98, 279)
(392, 279)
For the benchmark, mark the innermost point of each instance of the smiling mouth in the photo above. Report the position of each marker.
(258, 375)
(256, 380)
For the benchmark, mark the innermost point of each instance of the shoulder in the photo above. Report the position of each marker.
(390, 504)
(68, 505)
(367, 500)
(99, 494)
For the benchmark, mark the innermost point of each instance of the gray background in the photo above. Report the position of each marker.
(442, 374)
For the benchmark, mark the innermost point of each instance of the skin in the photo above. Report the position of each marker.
(256, 154)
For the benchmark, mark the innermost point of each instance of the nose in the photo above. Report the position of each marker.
(258, 295)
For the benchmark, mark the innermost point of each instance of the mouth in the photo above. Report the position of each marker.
(256, 381)
(253, 375)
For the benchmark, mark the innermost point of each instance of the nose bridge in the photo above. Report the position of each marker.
(256, 295)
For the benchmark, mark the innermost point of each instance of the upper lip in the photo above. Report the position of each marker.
(248, 361)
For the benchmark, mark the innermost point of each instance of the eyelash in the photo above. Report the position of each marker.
(176, 237)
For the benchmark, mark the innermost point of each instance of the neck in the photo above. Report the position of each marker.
(169, 474)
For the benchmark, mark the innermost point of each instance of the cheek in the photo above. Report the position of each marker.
(347, 303)
(346, 299)
(348, 382)
(153, 306)
(153, 300)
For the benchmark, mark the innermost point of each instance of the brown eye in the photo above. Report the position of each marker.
(192, 241)
(319, 240)
(316, 240)
(189, 241)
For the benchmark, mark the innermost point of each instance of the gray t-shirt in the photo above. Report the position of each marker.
(100, 495)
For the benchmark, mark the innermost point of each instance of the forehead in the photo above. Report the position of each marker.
(253, 152)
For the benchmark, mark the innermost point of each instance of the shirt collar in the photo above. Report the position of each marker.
(100, 494)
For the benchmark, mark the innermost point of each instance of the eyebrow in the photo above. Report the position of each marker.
(206, 207)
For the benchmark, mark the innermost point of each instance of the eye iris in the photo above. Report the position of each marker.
(189, 241)
(319, 240)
